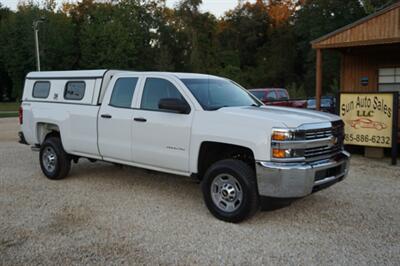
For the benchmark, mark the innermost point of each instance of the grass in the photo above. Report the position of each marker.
(9, 106)
(9, 109)
(4, 115)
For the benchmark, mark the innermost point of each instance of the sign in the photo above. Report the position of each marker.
(364, 81)
(369, 118)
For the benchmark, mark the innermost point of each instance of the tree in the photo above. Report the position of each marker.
(314, 19)
(56, 38)
(113, 35)
(259, 44)
(5, 80)
(370, 6)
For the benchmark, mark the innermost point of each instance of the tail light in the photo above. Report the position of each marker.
(21, 115)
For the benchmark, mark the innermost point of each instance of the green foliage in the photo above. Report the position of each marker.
(315, 19)
(296, 91)
(9, 109)
(261, 44)
(370, 6)
(9, 106)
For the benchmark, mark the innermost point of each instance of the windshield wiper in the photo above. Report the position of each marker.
(217, 107)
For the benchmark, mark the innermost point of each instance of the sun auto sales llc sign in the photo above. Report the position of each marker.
(368, 118)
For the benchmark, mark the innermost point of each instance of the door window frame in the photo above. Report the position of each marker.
(173, 82)
(133, 95)
(107, 97)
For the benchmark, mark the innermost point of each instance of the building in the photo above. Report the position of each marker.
(370, 53)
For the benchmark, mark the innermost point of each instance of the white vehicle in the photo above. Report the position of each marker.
(186, 124)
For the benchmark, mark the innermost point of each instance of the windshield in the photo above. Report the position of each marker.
(324, 103)
(213, 94)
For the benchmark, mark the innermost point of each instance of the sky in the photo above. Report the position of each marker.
(217, 7)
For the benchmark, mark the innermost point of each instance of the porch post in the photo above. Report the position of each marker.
(318, 90)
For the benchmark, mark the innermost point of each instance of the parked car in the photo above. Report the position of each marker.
(195, 125)
(328, 104)
(278, 97)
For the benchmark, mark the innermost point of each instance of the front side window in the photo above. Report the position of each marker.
(259, 94)
(123, 92)
(213, 94)
(41, 89)
(156, 89)
(74, 90)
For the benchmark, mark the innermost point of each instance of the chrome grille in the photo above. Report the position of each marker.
(318, 133)
(327, 151)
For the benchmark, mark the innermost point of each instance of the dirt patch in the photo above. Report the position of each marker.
(68, 219)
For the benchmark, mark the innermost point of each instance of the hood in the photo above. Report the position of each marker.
(290, 117)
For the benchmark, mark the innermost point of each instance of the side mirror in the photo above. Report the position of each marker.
(175, 105)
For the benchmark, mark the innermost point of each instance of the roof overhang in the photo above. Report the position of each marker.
(381, 27)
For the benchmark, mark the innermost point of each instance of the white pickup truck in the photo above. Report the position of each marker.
(194, 125)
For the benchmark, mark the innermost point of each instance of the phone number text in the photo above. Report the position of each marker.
(367, 139)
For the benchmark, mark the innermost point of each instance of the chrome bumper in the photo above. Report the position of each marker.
(295, 180)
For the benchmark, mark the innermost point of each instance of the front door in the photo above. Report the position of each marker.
(161, 138)
(115, 120)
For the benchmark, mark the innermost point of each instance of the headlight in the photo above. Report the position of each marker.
(280, 143)
(282, 135)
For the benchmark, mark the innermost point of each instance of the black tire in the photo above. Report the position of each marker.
(246, 178)
(62, 161)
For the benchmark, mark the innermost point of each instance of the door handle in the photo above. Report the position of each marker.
(106, 116)
(140, 119)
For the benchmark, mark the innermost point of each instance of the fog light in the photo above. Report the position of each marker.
(287, 153)
(278, 153)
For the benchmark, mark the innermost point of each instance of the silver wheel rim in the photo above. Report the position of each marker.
(226, 193)
(49, 159)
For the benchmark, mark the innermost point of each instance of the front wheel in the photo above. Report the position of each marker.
(54, 161)
(230, 190)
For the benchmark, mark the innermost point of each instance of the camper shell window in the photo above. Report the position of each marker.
(41, 89)
(74, 90)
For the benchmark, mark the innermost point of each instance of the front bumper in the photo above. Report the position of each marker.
(295, 180)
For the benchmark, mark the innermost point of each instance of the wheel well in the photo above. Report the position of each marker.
(45, 130)
(211, 152)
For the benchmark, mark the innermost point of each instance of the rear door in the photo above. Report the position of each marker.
(115, 119)
(161, 138)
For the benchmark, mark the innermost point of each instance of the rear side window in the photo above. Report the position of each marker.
(156, 89)
(271, 96)
(74, 90)
(123, 92)
(283, 95)
(41, 89)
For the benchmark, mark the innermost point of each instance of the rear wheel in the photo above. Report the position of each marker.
(54, 161)
(230, 190)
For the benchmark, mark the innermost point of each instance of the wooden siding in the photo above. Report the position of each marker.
(361, 62)
(380, 28)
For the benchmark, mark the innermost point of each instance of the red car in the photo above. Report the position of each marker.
(367, 123)
(277, 96)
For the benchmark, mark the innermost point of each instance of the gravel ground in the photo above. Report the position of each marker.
(104, 214)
